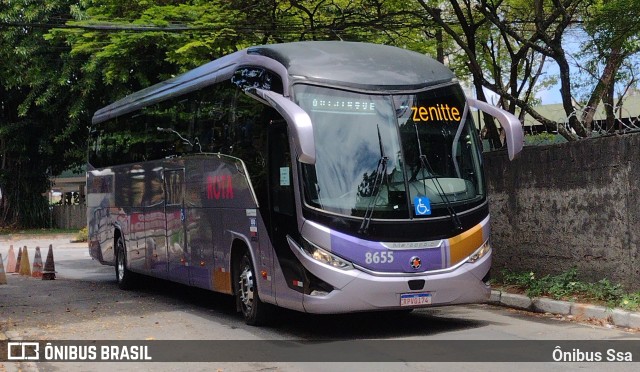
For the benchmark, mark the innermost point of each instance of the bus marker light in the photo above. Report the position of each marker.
(480, 252)
(264, 274)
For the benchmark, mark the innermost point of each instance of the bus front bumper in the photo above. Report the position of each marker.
(356, 290)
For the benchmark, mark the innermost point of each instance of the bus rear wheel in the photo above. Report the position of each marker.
(124, 277)
(248, 301)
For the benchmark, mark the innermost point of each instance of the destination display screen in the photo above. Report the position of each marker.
(437, 112)
(420, 113)
(341, 105)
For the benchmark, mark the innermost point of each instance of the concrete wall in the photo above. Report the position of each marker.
(573, 204)
(69, 216)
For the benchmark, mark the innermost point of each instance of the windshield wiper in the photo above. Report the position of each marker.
(381, 171)
(424, 164)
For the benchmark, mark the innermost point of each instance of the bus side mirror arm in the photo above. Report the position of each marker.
(298, 120)
(511, 125)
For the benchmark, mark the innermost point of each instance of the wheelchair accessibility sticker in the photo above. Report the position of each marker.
(422, 206)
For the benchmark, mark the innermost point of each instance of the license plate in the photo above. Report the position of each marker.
(415, 299)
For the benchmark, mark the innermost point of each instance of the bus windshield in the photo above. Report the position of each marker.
(387, 153)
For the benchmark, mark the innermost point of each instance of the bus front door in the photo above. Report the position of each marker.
(178, 255)
(283, 208)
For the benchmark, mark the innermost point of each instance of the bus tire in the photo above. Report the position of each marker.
(248, 302)
(124, 277)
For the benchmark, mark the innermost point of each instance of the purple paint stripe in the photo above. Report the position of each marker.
(374, 256)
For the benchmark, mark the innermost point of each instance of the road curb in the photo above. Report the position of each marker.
(617, 317)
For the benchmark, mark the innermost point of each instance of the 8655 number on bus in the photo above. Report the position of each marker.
(378, 257)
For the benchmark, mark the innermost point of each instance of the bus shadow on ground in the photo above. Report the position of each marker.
(362, 325)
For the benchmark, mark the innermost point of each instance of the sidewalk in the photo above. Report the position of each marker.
(32, 241)
(569, 310)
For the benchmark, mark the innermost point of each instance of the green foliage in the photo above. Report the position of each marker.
(35, 139)
(543, 138)
(567, 286)
(82, 235)
(70, 58)
(603, 21)
(606, 37)
(630, 301)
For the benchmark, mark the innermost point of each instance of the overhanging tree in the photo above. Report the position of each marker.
(551, 20)
(612, 42)
(34, 141)
(63, 60)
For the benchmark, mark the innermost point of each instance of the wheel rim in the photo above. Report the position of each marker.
(246, 289)
(120, 264)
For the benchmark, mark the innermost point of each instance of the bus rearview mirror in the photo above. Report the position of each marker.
(298, 120)
(512, 127)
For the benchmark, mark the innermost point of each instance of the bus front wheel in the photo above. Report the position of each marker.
(253, 310)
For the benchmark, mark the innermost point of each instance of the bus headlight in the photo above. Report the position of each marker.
(324, 256)
(480, 252)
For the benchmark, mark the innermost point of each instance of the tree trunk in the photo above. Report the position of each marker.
(609, 109)
(565, 93)
(492, 133)
(603, 87)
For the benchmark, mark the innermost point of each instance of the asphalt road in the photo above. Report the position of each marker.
(84, 303)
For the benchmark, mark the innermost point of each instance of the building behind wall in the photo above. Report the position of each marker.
(627, 119)
(67, 200)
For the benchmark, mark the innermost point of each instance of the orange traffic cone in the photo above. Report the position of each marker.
(49, 272)
(11, 261)
(36, 272)
(3, 276)
(25, 267)
(17, 268)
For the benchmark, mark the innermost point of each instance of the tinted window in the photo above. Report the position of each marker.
(215, 119)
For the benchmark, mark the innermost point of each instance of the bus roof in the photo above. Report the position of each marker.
(359, 65)
(362, 66)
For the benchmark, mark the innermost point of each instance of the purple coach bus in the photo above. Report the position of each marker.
(325, 177)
